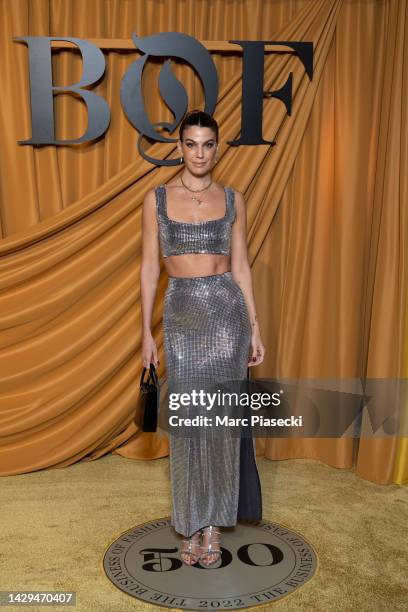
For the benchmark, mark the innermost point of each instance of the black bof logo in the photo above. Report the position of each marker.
(165, 44)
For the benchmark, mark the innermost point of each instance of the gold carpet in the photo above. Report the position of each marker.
(57, 523)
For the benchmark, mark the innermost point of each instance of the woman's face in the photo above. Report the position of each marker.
(198, 148)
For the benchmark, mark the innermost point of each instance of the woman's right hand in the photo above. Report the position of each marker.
(149, 351)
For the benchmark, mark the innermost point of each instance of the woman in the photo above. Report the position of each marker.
(210, 332)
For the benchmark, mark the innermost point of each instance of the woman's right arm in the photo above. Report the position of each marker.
(149, 276)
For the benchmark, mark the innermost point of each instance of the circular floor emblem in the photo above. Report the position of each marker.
(260, 563)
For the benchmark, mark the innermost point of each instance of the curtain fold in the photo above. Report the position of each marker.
(325, 207)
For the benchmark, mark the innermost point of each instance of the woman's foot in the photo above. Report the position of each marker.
(210, 546)
(190, 549)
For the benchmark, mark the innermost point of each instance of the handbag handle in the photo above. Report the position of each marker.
(152, 375)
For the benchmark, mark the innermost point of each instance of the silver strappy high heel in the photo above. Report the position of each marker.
(208, 550)
(187, 550)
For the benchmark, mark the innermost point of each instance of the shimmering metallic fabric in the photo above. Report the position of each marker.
(178, 237)
(207, 336)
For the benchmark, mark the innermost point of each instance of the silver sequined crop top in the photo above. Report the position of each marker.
(179, 237)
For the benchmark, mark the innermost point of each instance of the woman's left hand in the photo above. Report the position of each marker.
(258, 349)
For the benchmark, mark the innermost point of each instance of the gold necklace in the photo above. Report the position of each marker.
(195, 191)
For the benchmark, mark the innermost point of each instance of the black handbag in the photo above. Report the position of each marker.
(148, 404)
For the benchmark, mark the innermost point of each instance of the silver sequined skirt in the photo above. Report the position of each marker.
(207, 337)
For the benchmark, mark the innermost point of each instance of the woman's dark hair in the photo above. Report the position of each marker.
(200, 118)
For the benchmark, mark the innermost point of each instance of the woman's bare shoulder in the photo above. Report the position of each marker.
(239, 201)
(149, 202)
(173, 185)
(236, 192)
(150, 195)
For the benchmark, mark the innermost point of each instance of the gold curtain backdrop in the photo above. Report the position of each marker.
(327, 225)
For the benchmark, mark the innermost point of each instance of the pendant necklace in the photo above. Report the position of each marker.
(195, 198)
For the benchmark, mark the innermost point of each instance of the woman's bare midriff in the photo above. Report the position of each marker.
(196, 264)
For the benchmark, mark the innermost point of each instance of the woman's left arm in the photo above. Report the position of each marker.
(241, 273)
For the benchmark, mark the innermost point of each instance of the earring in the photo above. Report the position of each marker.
(181, 159)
